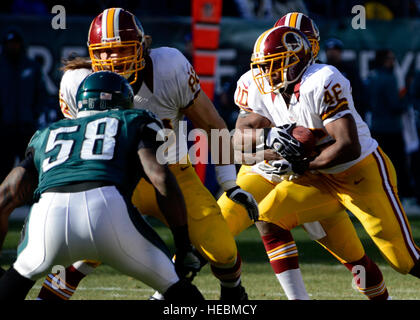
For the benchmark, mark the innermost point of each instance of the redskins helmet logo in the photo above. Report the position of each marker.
(292, 41)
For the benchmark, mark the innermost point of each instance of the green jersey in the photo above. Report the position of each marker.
(100, 147)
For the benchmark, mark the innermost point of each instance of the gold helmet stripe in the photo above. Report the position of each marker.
(110, 23)
(293, 19)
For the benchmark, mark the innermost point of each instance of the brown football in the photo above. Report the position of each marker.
(306, 137)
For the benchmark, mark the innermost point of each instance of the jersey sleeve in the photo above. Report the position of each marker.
(68, 88)
(241, 92)
(180, 84)
(148, 131)
(332, 96)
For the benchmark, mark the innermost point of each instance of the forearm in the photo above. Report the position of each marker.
(246, 139)
(16, 190)
(335, 154)
(171, 202)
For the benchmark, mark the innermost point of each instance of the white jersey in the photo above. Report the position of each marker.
(175, 86)
(68, 88)
(322, 96)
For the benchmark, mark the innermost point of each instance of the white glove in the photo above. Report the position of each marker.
(281, 140)
(245, 199)
(281, 168)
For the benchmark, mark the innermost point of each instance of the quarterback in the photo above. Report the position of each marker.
(350, 170)
(165, 83)
(336, 233)
(87, 169)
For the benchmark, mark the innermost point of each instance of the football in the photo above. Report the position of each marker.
(306, 137)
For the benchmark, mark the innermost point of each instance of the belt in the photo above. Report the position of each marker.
(80, 186)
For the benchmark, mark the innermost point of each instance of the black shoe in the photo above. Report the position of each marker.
(237, 293)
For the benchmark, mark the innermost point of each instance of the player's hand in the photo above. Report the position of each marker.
(187, 263)
(245, 199)
(282, 141)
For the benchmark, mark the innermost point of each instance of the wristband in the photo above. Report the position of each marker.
(226, 176)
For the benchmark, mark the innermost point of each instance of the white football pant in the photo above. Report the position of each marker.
(97, 225)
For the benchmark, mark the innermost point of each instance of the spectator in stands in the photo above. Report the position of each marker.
(22, 92)
(386, 109)
(334, 55)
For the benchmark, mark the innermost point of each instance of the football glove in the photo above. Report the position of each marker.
(245, 199)
(281, 140)
(187, 263)
(285, 169)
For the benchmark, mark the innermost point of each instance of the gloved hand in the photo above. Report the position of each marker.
(187, 263)
(246, 200)
(281, 140)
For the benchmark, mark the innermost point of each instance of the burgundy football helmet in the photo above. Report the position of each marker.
(117, 30)
(280, 57)
(306, 25)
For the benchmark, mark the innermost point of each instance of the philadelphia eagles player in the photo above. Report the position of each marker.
(87, 169)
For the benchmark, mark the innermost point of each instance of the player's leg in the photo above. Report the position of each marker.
(207, 229)
(210, 234)
(127, 243)
(287, 268)
(42, 245)
(342, 242)
(289, 204)
(372, 196)
(74, 274)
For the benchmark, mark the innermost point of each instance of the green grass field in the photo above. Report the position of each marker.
(324, 277)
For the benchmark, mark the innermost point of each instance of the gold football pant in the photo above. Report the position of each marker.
(341, 238)
(208, 230)
(368, 189)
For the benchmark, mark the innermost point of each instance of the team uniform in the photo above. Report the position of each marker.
(88, 168)
(175, 86)
(335, 233)
(365, 186)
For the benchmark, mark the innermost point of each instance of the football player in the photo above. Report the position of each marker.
(87, 169)
(349, 172)
(336, 234)
(165, 83)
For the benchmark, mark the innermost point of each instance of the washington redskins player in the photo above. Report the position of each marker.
(335, 233)
(165, 83)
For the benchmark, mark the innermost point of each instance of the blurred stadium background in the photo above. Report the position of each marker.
(389, 25)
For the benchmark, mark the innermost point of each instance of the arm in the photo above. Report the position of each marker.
(345, 148)
(171, 200)
(246, 137)
(204, 115)
(16, 190)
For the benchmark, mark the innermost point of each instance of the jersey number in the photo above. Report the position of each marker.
(98, 143)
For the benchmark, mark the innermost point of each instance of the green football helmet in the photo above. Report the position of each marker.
(104, 90)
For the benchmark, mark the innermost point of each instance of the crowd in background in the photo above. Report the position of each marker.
(391, 112)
